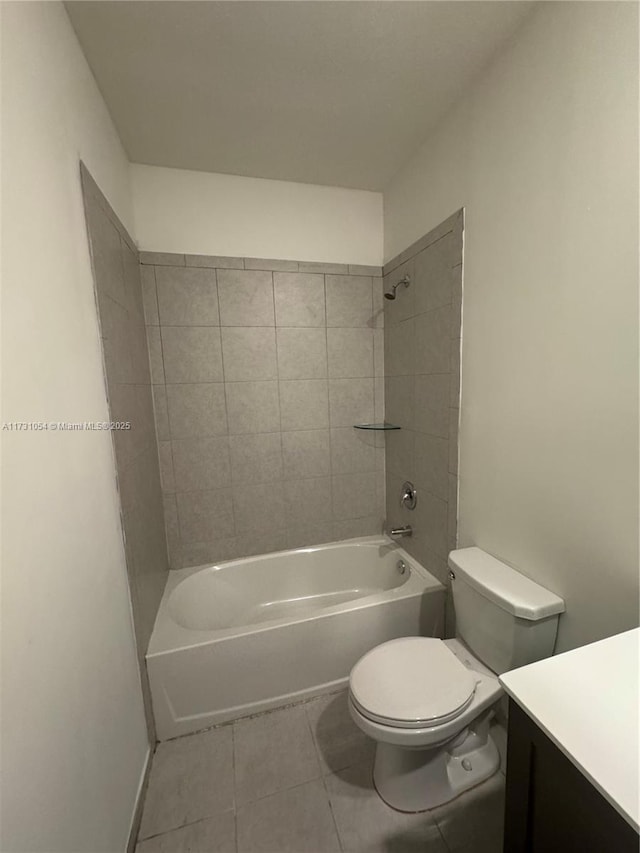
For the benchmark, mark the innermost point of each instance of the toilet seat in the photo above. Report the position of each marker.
(412, 683)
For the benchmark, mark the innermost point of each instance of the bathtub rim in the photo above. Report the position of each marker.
(421, 579)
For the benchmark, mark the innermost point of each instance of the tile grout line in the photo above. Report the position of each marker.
(316, 747)
(332, 520)
(166, 397)
(226, 406)
(233, 769)
(183, 825)
(277, 354)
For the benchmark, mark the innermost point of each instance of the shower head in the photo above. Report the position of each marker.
(392, 294)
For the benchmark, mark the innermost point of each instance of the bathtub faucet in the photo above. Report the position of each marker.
(401, 531)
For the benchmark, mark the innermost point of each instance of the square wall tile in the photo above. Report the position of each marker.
(456, 301)
(354, 495)
(106, 254)
(249, 354)
(304, 535)
(304, 404)
(452, 511)
(378, 401)
(116, 341)
(349, 301)
(352, 451)
(205, 516)
(399, 397)
(378, 352)
(253, 407)
(399, 456)
(454, 379)
(308, 501)
(246, 298)
(314, 266)
(432, 404)
(156, 362)
(400, 348)
(166, 467)
(165, 259)
(197, 410)
(191, 354)
(350, 353)
(433, 275)
(350, 401)
(149, 298)
(270, 264)
(171, 524)
(431, 463)
(354, 528)
(454, 415)
(431, 524)
(139, 349)
(302, 353)
(251, 542)
(201, 553)
(187, 297)
(201, 463)
(220, 262)
(432, 347)
(258, 507)
(378, 302)
(306, 453)
(256, 458)
(161, 412)
(299, 299)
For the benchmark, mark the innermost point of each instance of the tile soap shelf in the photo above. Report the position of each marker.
(382, 426)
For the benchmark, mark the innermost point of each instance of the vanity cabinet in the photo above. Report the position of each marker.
(551, 807)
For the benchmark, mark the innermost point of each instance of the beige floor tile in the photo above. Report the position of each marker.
(273, 752)
(191, 778)
(214, 835)
(367, 825)
(339, 742)
(294, 821)
(474, 821)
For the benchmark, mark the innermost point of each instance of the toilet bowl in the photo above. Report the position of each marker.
(428, 702)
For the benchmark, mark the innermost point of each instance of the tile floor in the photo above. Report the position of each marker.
(298, 780)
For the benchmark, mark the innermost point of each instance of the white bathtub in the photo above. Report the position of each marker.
(253, 634)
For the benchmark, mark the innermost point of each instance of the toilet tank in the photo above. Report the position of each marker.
(505, 618)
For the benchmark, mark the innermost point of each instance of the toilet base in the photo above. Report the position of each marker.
(416, 780)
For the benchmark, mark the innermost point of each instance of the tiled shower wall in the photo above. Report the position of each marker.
(260, 369)
(422, 390)
(126, 366)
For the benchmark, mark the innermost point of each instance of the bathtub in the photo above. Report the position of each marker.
(249, 635)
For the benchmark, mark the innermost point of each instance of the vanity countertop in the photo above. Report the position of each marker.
(587, 702)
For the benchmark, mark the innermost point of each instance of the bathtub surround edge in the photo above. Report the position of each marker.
(119, 307)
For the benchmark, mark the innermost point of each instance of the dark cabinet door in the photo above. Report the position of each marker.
(550, 806)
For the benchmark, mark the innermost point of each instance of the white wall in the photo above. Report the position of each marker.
(543, 156)
(210, 214)
(74, 741)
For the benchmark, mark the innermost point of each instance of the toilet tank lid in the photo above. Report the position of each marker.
(504, 585)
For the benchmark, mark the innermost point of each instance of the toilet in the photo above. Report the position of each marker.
(428, 702)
